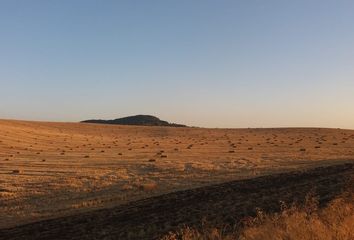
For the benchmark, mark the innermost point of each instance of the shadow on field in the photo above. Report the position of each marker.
(222, 204)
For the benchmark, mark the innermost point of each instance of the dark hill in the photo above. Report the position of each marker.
(142, 120)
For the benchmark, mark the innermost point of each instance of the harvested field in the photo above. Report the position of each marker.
(217, 204)
(50, 170)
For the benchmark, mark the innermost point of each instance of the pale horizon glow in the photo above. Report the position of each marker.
(234, 64)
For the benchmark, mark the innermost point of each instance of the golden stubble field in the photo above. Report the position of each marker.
(54, 169)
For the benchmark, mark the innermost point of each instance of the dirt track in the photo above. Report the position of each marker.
(222, 203)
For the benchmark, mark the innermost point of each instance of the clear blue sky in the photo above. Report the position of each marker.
(204, 63)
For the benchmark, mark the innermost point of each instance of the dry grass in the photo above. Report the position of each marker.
(307, 222)
(336, 221)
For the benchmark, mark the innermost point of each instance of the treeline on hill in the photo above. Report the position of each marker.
(141, 120)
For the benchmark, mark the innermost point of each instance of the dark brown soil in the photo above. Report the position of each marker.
(222, 203)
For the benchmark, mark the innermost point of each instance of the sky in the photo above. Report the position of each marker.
(245, 63)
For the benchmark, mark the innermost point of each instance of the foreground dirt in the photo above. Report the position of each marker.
(223, 203)
(49, 170)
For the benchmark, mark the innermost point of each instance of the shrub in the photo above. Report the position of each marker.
(148, 186)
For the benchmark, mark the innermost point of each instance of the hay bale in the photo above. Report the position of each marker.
(17, 171)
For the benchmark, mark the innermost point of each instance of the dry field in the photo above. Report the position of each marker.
(219, 212)
(54, 169)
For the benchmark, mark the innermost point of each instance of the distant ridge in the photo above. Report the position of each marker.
(141, 120)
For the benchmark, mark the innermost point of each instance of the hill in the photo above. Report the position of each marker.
(141, 120)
